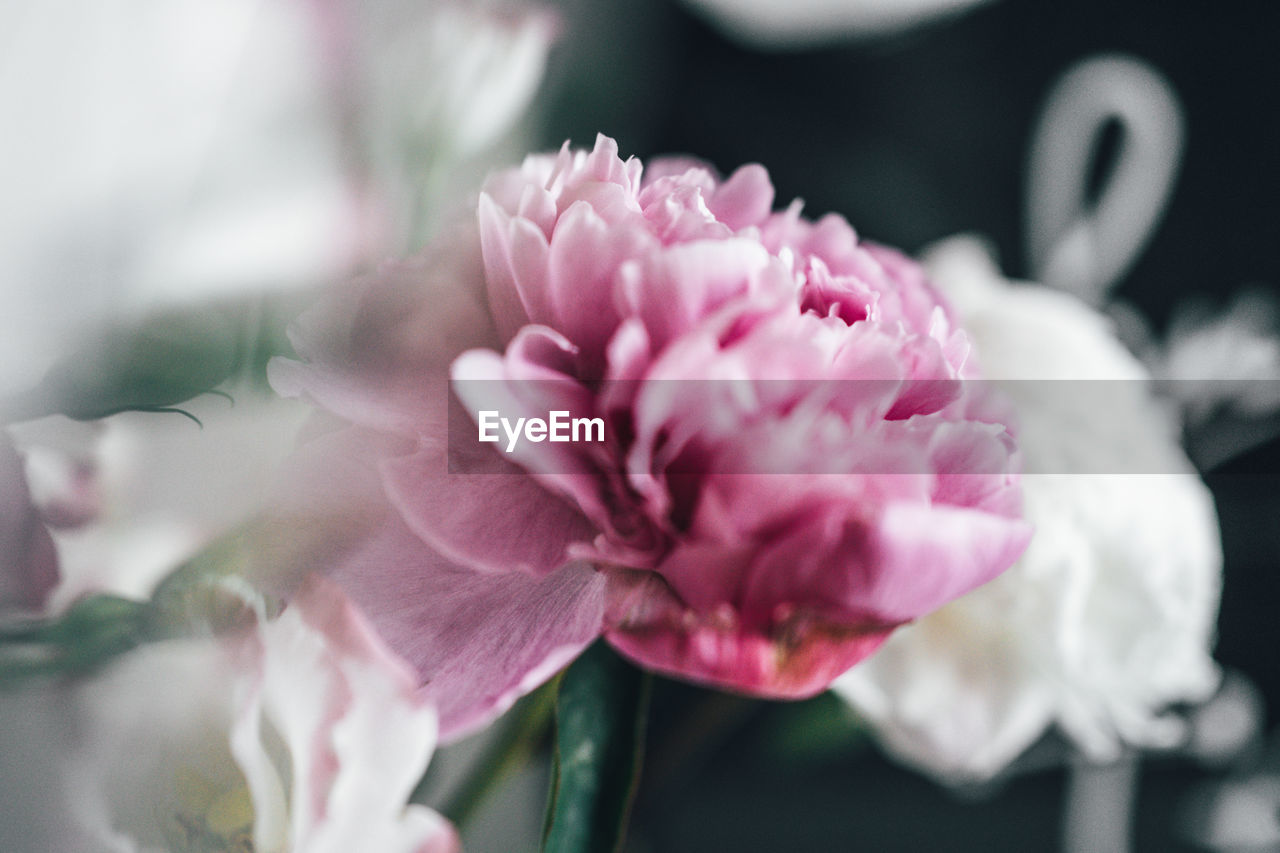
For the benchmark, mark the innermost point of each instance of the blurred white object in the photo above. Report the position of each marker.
(1241, 815)
(1221, 370)
(807, 23)
(425, 89)
(301, 734)
(1109, 615)
(157, 151)
(134, 495)
(1230, 359)
(177, 150)
(166, 152)
(1082, 246)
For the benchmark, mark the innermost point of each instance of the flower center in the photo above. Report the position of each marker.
(209, 818)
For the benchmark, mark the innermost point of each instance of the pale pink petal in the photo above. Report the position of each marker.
(586, 251)
(492, 519)
(672, 291)
(746, 198)
(515, 263)
(377, 354)
(28, 561)
(944, 551)
(478, 641)
(373, 738)
(527, 383)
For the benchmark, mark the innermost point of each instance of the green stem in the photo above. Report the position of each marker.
(601, 714)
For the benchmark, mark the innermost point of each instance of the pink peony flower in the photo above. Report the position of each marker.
(752, 519)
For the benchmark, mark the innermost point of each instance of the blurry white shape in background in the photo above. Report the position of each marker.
(1109, 616)
(425, 90)
(1083, 245)
(424, 97)
(176, 150)
(157, 151)
(164, 153)
(159, 486)
(298, 734)
(800, 24)
(1218, 363)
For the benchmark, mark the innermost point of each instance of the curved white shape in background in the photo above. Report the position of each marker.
(800, 24)
(1081, 247)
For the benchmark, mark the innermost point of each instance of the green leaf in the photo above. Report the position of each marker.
(166, 361)
(158, 363)
(91, 632)
(204, 596)
(600, 720)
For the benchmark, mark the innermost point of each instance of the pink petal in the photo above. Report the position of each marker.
(925, 556)
(745, 199)
(515, 267)
(672, 290)
(527, 384)
(479, 641)
(497, 519)
(28, 561)
(584, 258)
(798, 658)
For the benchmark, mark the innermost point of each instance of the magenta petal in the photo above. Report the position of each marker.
(479, 641)
(794, 659)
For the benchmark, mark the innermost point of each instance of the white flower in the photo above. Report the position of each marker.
(304, 736)
(1109, 615)
(802, 23)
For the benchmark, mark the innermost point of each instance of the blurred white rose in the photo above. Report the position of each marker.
(302, 735)
(806, 23)
(1109, 615)
(169, 150)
